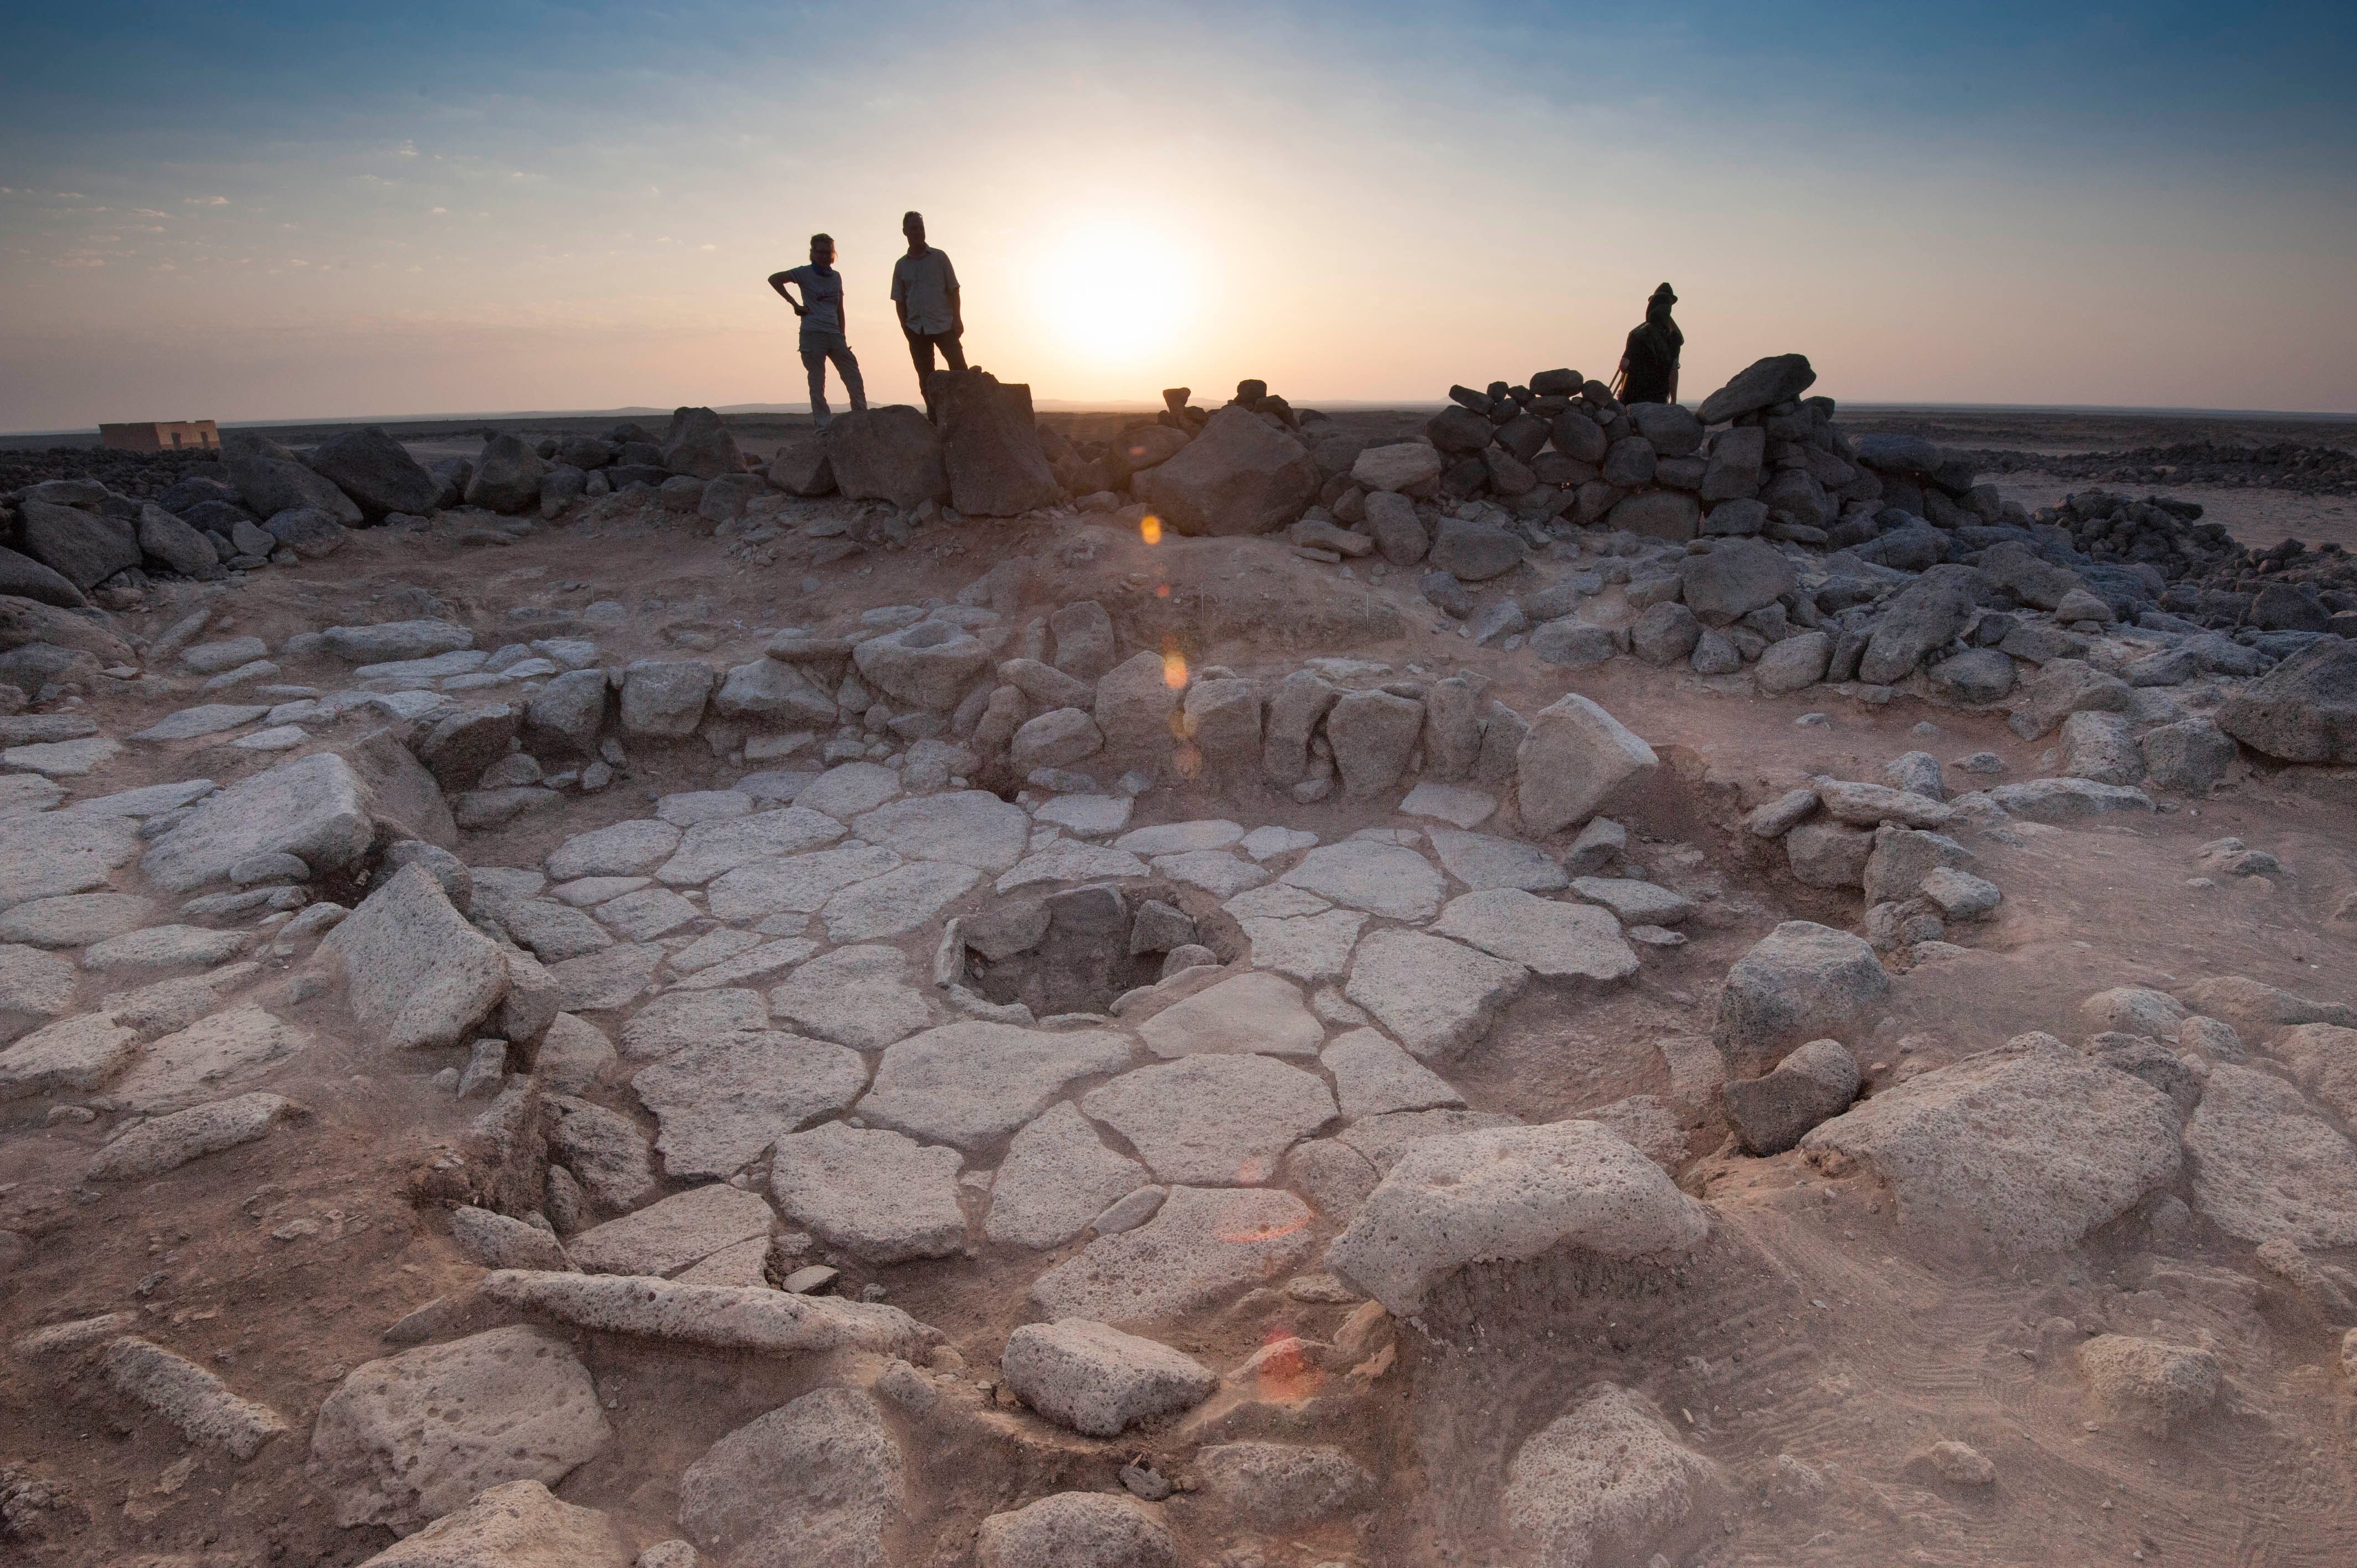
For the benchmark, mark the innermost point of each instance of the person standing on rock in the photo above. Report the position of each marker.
(1649, 366)
(821, 308)
(925, 293)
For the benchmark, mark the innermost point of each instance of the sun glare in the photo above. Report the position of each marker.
(1117, 293)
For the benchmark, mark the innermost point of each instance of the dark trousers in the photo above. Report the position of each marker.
(818, 348)
(920, 350)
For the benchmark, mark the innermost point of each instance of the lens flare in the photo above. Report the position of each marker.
(1174, 668)
(1149, 529)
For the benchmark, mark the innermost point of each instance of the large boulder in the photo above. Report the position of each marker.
(1505, 1194)
(888, 453)
(377, 472)
(2304, 710)
(415, 973)
(819, 1480)
(1736, 577)
(1924, 616)
(1608, 1483)
(270, 480)
(172, 543)
(1075, 1530)
(23, 577)
(1243, 474)
(506, 475)
(1802, 981)
(406, 1439)
(1474, 550)
(1097, 1380)
(2266, 1167)
(699, 445)
(2024, 1149)
(2027, 575)
(1398, 466)
(1574, 756)
(1760, 385)
(930, 664)
(79, 546)
(800, 466)
(518, 1525)
(1772, 1112)
(1672, 515)
(314, 808)
(991, 446)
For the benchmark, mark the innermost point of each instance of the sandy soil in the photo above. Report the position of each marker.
(1811, 1326)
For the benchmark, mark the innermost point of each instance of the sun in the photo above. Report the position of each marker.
(1116, 292)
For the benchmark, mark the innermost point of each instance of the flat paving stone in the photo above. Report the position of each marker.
(967, 827)
(674, 1233)
(625, 849)
(194, 724)
(1311, 947)
(849, 788)
(759, 964)
(1638, 902)
(63, 759)
(227, 1050)
(76, 919)
(857, 997)
(797, 884)
(1202, 1246)
(1221, 874)
(1257, 1013)
(167, 947)
(553, 931)
(1484, 861)
(1459, 805)
(690, 807)
(1069, 859)
(601, 981)
(897, 902)
(711, 948)
(587, 892)
(1268, 843)
(711, 849)
(149, 800)
(1435, 997)
(1058, 1176)
(1181, 838)
(972, 1082)
(651, 912)
(1382, 878)
(1373, 1077)
(1213, 1120)
(721, 1103)
(880, 1197)
(44, 855)
(1559, 941)
(678, 1019)
(1086, 816)
(1275, 902)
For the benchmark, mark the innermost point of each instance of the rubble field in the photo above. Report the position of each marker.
(1550, 983)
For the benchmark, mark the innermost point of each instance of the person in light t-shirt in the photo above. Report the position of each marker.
(925, 293)
(821, 308)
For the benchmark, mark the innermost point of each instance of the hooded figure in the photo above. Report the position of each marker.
(1649, 367)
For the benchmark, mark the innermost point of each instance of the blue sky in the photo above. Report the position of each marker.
(264, 210)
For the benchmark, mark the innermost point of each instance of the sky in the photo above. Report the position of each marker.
(270, 212)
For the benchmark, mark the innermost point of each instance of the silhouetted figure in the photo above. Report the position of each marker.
(821, 308)
(1649, 367)
(925, 293)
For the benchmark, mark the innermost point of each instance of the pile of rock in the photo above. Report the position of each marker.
(2277, 465)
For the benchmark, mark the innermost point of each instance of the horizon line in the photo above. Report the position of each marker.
(1118, 405)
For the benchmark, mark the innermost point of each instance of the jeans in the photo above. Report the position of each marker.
(920, 350)
(818, 348)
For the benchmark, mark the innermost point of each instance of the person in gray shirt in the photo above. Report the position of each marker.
(925, 293)
(821, 308)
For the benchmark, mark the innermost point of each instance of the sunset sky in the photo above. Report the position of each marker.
(265, 211)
